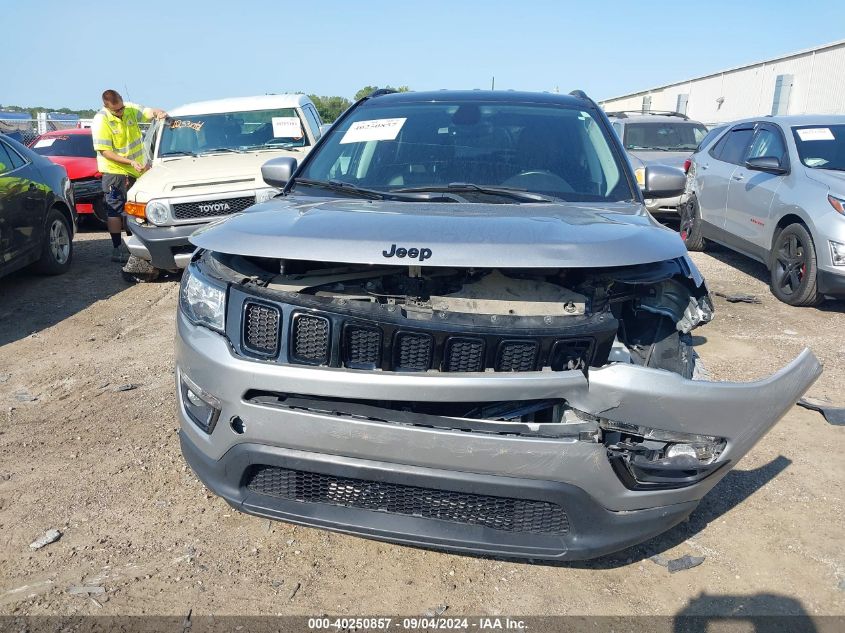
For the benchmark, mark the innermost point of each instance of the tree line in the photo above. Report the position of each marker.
(34, 111)
(332, 107)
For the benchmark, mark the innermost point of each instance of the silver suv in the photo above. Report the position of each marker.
(657, 138)
(460, 328)
(773, 188)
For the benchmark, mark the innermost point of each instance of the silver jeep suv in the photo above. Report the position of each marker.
(657, 138)
(460, 328)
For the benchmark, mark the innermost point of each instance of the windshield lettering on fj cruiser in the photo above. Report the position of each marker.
(194, 125)
(214, 206)
(414, 253)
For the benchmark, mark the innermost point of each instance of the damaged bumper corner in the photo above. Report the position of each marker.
(360, 461)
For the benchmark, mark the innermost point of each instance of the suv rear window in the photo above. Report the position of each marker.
(77, 145)
(557, 150)
(667, 136)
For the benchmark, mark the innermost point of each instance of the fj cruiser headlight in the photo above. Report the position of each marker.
(837, 253)
(156, 212)
(203, 302)
(263, 195)
(648, 458)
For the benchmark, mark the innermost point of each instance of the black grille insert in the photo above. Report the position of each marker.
(211, 208)
(464, 354)
(517, 356)
(497, 513)
(571, 354)
(310, 339)
(361, 347)
(412, 351)
(261, 329)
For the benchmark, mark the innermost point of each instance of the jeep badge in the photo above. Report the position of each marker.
(414, 253)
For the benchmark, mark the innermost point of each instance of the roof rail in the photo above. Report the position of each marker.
(623, 114)
(579, 93)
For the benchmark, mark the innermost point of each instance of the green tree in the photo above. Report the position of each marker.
(368, 90)
(330, 107)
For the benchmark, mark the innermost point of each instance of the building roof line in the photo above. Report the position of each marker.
(805, 51)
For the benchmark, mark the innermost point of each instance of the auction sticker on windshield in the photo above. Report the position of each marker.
(44, 142)
(815, 134)
(287, 127)
(375, 130)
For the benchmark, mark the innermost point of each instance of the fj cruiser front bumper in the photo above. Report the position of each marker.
(479, 492)
(165, 247)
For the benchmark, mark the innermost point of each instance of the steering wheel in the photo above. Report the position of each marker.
(539, 179)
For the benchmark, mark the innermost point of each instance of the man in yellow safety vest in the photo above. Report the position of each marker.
(118, 142)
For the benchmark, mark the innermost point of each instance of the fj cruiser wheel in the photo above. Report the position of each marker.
(793, 267)
(690, 228)
(57, 247)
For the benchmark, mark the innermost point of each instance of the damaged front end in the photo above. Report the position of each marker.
(574, 389)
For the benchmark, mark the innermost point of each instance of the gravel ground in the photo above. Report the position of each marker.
(88, 446)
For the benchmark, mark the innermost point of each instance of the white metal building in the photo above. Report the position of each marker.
(807, 82)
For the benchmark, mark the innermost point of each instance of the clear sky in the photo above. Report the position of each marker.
(164, 53)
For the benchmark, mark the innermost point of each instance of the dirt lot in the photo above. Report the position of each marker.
(103, 466)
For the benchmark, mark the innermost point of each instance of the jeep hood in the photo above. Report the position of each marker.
(566, 235)
(210, 173)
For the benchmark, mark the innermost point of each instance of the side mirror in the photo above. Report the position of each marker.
(276, 172)
(769, 164)
(662, 181)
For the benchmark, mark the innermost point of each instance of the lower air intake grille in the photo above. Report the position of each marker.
(497, 513)
(412, 352)
(211, 208)
(310, 343)
(517, 356)
(261, 329)
(362, 347)
(464, 354)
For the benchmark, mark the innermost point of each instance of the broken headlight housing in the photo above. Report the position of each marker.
(202, 301)
(646, 458)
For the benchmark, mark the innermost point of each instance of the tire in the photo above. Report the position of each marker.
(690, 228)
(101, 211)
(793, 267)
(57, 248)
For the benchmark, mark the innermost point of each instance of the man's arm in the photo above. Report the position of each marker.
(152, 113)
(123, 161)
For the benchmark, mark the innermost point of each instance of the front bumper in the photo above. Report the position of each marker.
(165, 247)
(603, 515)
(665, 205)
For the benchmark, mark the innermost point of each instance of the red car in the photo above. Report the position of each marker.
(74, 150)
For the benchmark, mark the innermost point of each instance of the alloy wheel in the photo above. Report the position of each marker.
(791, 265)
(59, 242)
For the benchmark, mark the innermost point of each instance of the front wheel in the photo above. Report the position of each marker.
(690, 228)
(793, 267)
(57, 248)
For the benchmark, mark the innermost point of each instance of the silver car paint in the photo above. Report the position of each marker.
(749, 204)
(565, 235)
(740, 412)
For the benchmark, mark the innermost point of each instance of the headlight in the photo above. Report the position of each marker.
(203, 302)
(837, 203)
(837, 253)
(156, 213)
(647, 458)
(639, 174)
(263, 195)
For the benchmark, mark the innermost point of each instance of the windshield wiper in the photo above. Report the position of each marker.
(343, 187)
(178, 153)
(511, 192)
(221, 149)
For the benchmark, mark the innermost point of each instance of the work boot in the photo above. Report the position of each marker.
(120, 254)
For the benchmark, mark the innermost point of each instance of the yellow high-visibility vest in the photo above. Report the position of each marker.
(120, 135)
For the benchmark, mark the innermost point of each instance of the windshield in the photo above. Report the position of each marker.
(236, 131)
(554, 150)
(667, 136)
(821, 147)
(66, 145)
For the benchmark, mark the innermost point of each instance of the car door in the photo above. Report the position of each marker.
(751, 192)
(22, 202)
(714, 171)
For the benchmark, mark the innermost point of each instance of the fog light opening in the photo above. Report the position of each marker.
(202, 408)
